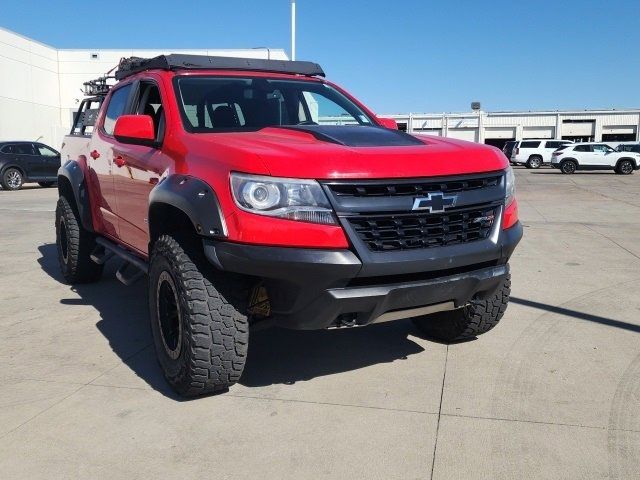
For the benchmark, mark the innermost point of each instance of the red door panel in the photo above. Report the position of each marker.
(137, 169)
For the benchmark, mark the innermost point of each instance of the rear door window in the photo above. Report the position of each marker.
(529, 144)
(582, 148)
(24, 149)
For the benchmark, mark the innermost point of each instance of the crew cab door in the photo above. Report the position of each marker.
(100, 160)
(25, 157)
(584, 154)
(138, 168)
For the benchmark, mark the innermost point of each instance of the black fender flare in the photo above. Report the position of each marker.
(71, 176)
(196, 199)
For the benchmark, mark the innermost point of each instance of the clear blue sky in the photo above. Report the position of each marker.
(397, 56)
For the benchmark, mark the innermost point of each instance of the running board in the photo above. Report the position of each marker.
(101, 255)
(127, 274)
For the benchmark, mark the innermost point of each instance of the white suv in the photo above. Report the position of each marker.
(535, 153)
(594, 156)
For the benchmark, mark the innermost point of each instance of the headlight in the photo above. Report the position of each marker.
(292, 199)
(510, 181)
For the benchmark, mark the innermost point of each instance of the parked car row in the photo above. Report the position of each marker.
(570, 157)
(22, 162)
(532, 153)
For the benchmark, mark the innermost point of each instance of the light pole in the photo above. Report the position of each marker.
(293, 29)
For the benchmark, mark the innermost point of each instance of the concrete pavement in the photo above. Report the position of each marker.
(552, 392)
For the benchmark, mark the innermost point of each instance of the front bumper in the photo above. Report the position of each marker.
(314, 289)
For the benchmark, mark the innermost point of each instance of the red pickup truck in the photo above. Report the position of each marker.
(255, 193)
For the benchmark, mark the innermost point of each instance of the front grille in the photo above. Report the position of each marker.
(392, 189)
(383, 233)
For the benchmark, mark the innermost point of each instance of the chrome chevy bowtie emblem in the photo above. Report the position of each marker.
(436, 202)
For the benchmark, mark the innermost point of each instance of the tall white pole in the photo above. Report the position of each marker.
(293, 29)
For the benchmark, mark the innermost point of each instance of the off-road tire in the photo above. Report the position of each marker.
(534, 162)
(624, 167)
(477, 318)
(12, 179)
(46, 184)
(212, 329)
(74, 245)
(568, 167)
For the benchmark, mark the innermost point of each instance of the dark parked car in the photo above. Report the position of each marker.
(22, 162)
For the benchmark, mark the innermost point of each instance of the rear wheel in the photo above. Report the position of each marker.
(12, 179)
(200, 328)
(477, 318)
(568, 167)
(534, 162)
(75, 245)
(625, 167)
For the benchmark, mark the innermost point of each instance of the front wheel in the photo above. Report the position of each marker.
(198, 320)
(625, 167)
(12, 179)
(477, 318)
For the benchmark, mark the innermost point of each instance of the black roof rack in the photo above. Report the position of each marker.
(133, 65)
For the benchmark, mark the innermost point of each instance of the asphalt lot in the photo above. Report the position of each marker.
(553, 392)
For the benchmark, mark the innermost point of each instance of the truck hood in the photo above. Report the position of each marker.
(357, 152)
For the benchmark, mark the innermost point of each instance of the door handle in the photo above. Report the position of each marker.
(94, 154)
(119, 161)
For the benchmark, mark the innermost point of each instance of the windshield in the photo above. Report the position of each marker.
(218, 104)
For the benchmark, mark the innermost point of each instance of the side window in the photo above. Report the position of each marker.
(554, 145)
(46, 151)
(582, 148)
(8, 149)
(149, 103)
(24, 149)
(529, 144)
(601, 148)
(117, 104)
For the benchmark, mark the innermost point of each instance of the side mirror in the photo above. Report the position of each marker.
(135, 129)
(389, 123)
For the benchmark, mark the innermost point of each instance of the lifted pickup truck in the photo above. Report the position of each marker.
(254, 193)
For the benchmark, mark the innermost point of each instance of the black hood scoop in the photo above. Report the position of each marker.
(357, 136)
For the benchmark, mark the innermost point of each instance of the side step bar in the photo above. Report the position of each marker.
(131, 270)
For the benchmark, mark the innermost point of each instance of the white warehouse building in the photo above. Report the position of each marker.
(41, 86)
(496, 128)
(40, 90)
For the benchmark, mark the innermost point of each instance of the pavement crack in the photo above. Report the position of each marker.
(612, 241)
(435, 444)
(332, 404)
(539, 422)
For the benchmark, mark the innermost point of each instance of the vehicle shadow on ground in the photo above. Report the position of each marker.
(276, 356)
(610, 322)
(280, 356)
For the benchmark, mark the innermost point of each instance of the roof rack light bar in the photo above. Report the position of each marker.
(133, 65)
